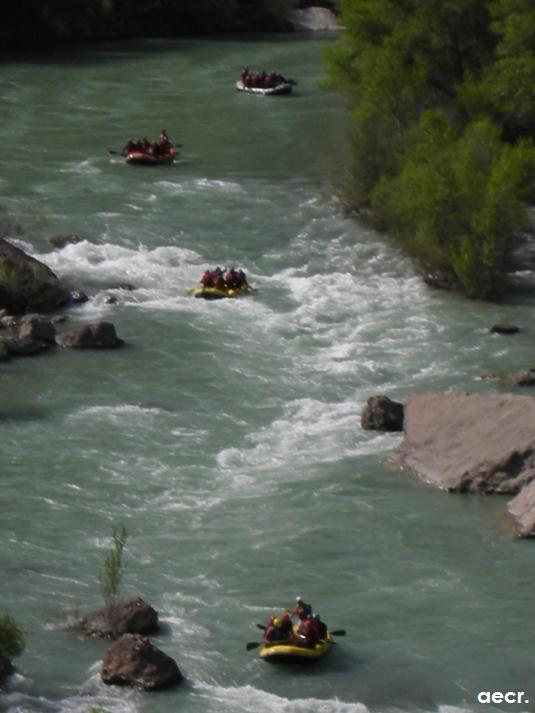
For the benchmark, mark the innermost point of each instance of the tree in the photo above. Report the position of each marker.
(443, 118)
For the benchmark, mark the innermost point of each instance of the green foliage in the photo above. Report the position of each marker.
(113, 569)
(11, 643)
(442, 102)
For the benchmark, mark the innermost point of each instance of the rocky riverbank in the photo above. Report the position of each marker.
(467, 443)
(32, 298)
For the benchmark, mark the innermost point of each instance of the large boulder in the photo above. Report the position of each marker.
(312, 19)
(96, 335)
(382, 414)
(131, 615)
(26, 285)
(470, 442)
(134, 661)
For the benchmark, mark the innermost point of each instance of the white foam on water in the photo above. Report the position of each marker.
(309, 433)
(161, 271)
(225, 186)
(119, 413)
(85, 167)
(248, 699)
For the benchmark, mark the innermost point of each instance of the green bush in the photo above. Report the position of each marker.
(11, 643)
(443, 112)
(113, 568)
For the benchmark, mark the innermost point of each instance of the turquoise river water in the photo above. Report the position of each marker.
(225, 437)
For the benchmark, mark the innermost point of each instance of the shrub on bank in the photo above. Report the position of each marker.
(443, 111)
(11, 643)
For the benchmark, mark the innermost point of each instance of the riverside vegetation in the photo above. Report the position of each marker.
(11, 643)
(62, 21)
(112, 571)
(443, 123)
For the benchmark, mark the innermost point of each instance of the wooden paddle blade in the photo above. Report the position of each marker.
(252, 645)
(338, 632)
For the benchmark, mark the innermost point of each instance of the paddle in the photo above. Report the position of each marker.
(252, 645)
(292, 82)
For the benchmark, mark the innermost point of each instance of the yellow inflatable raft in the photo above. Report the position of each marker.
(218, 293)
(289, 653)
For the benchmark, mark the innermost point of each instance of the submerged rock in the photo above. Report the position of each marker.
(438, 279)
(78, 297)
(382, 414)
(60, 241)
(27, 285)
(134, 661)
(129, 615)
(96, 335)
(470, 443)
(504, 329)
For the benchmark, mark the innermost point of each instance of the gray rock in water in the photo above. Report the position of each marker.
(78, 297)
(470, 443)
(96, 335)
(60, 241)
(312, 19)
(522, 509)
(131, 615)
(27, 285)
(504, 329)
(37, 327)
(382, 414)
(134, 661)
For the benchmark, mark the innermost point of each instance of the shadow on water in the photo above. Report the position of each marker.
(23, 413)
(104, 52)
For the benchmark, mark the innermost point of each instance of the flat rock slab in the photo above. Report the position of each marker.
(475, 443)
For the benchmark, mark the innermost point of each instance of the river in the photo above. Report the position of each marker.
(225, 436)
